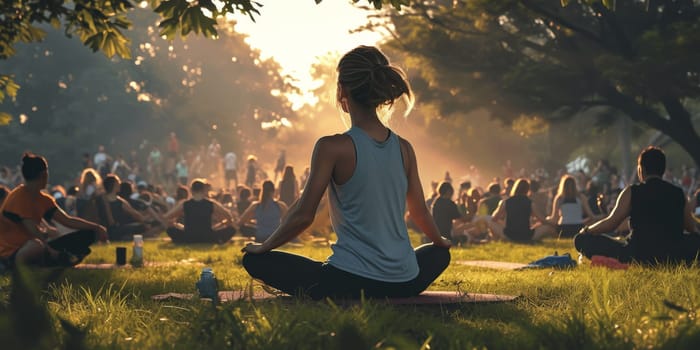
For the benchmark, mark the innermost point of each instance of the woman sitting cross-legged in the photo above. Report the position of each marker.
(205, 221)
(569, 207)
(516, 211)
(267, 213)
(371, 176)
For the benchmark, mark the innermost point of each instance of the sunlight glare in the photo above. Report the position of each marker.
(296, 33)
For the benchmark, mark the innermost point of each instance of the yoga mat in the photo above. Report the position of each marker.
(451, 297)
(224, 296)
(497, 265)
(426, 298)
(107, 266)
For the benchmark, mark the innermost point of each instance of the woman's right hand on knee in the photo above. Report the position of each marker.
(443, 243)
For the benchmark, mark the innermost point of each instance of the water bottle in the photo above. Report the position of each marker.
(208, 286)
(137, 256)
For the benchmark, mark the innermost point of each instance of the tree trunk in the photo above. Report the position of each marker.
(678, 126)
(688, 139)
(681, 128)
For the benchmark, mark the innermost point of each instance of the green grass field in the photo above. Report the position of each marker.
(584, 308)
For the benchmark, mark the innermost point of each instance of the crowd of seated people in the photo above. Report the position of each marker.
(524, 209)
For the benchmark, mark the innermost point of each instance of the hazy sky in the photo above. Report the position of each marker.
(294, 33)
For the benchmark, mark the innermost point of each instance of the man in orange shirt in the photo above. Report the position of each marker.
(24, 237)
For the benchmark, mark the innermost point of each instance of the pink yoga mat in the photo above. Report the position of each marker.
(426, 298)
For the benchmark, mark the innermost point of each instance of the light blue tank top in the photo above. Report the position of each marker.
(267, 220)
(367, 213)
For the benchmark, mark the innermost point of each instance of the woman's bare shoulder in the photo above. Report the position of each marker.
(334, 143)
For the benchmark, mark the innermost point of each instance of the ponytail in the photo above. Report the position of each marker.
(371, 80)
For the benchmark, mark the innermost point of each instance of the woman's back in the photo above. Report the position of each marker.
(518, 212)
(367, 212)
(571, 211)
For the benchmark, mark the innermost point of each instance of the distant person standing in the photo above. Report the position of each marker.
(231, 169)
(182, 171)
(213, 159)
(155, 164)
(304, 178)
(173, 146)
(172, 157)
(87, 161)
(288, 188)
(100, 161)
(251, 171)
(281, 162)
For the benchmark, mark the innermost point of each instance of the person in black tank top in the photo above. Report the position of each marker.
(115, 213)
(658, 212)
(205, 221)
(516, 211)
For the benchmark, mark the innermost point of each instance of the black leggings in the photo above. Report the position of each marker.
(72, 247)
(685, 250)
(213, 236)
(300, 276)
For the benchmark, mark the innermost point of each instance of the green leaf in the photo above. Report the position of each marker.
(5, 118)
(55, 22)
(169, 28)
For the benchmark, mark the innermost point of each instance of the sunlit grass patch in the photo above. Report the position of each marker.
(586, 307)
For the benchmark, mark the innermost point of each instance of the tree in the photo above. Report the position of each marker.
(73, 100)
(99, 24)
(524, 59)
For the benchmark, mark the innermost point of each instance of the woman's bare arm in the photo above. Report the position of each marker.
(417, 209)
(301, 214)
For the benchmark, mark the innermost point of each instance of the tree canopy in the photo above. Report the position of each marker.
(73, 100)
(530, 59)
(101, 24)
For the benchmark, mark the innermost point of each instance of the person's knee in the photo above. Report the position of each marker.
(250, 263)
(443, 256)
(440, 256)
(33, 250)
(580, 241)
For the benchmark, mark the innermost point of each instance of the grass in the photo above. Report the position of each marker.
(583, 308)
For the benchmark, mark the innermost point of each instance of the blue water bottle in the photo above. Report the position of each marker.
(208, 286)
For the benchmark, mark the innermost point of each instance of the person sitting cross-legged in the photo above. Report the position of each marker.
(25, 236)
(267, 213)
(516, 211)
(205, 221)
(371, 175)
(658, 213)
(120, 218)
